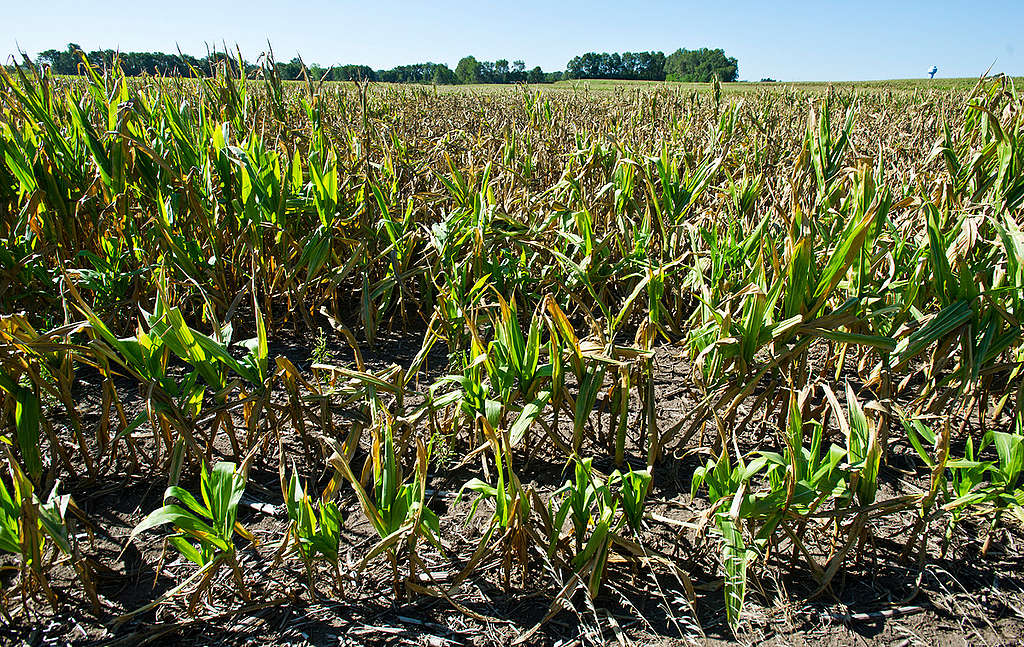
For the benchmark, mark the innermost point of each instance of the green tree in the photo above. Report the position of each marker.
(468, 71)
(501, 71)
(443, 75)
(647, 66)
(518, 72)
(701, 65)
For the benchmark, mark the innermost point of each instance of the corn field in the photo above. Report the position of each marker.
(665, 354)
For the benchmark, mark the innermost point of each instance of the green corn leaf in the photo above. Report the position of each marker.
(734, 560)
(527, 417)
(27, 413)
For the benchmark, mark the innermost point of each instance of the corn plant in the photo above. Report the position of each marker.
(27, 524)
(396, 509)
(592, 505)
(314, 534)
(511, 517)
(588, 504)
(204, 530)
(1006, 489)
(727, 489)
(515, 367)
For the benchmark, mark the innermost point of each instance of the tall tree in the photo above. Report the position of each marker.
(648, 66)
(468, 71)
(501, 71)
(518, 74)
(701, 65)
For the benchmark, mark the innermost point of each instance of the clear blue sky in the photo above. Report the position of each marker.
(787, 39)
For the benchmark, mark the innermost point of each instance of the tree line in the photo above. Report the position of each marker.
(469, 70)
(699, 65)
(69, 61)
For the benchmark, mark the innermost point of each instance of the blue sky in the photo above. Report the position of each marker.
(788, 40)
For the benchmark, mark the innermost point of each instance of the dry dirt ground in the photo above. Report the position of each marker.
(881, 597)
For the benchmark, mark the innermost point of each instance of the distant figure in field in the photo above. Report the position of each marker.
(931, 72)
